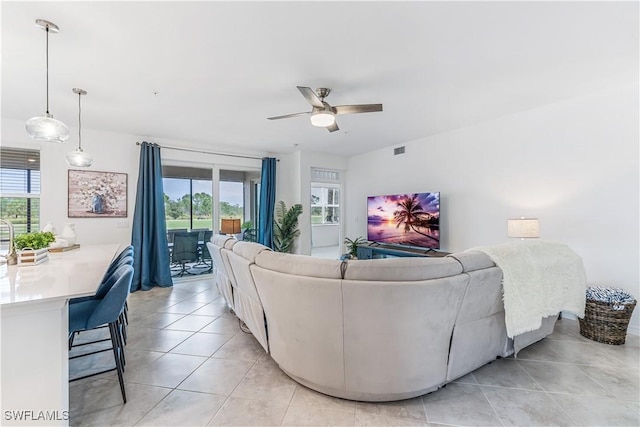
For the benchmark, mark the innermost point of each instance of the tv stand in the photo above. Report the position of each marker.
(378, 250)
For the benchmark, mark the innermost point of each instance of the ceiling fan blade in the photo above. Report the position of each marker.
(334, 127)
(286, 116)
(310, 96)
(352, 109)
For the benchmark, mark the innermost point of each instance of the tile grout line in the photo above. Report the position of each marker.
(490, 403)
(239, 382)
(545, 390)
(172, 389)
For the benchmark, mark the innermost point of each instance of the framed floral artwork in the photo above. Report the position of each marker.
(97, 194)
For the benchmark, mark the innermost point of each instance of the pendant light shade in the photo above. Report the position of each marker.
(46, 128)
(79, 158)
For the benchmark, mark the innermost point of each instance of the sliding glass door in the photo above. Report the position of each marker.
(238, 197)
(188, 198)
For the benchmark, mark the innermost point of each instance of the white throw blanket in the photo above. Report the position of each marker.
(540, 279)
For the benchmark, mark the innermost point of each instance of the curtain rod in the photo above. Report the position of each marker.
(205, 152)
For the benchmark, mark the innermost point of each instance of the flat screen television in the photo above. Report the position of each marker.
(405, 219)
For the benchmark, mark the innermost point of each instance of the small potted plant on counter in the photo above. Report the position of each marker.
(32, 247)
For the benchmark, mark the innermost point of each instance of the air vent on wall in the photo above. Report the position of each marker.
(398, 150)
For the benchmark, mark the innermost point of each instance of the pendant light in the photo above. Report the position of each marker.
(79, 158)
(46, 128)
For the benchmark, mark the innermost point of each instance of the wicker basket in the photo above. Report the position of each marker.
(604, 324)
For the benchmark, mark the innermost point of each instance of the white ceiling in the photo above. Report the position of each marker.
(221, 68)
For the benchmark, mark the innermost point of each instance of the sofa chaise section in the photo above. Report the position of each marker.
(302, 299)
(222, 281)
(248, 306)
(399, 314)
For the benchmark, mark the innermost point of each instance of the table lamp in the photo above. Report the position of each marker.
(525, 228)
(230, 226)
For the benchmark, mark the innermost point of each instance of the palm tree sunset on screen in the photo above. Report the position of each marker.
(404, 219)
(411, 214)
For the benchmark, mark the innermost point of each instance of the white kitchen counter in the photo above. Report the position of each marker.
(34, 314)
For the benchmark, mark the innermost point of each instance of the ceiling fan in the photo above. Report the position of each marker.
(323, 114)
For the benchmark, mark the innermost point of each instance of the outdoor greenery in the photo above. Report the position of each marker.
(180, 208)
(36, 240)
(285, 226)
(184, 224)
(178, 211)
(14, 209)
(325, 205)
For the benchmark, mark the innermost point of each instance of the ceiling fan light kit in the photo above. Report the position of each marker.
(323, 119)
(323, 114)
(46, 128)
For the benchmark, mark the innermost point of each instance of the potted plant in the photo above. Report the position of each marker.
(285, 226)
(32, 247)
(352, 245)
(35, 240)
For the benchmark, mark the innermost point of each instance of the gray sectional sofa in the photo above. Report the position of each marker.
(370, 330)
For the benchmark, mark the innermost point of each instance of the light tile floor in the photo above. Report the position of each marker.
(189, 364)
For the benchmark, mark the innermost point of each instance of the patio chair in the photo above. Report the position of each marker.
(185, 250)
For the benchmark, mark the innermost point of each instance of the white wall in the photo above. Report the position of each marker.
(325, 235)
(113, 152)
(293, 185)
(573, 165)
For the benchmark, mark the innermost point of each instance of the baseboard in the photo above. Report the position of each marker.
(192, 278)
(567, 315)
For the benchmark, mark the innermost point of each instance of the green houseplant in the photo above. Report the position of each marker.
(352, 245)
(35, 240)
(285, 226)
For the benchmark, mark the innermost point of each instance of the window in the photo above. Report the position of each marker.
(187, 198)
(325, 204)
(19, 190)
(239, 194)
(232, 200)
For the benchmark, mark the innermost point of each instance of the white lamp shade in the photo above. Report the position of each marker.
(46, 128)
(323, 119)
(523, 228)
(79, 159)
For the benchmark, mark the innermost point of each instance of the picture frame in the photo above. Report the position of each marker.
(94, 194)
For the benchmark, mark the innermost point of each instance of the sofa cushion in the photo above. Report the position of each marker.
(249, 250)
(473, 260)
(299, 265)
(220, 239)
(397, 333)
(229, 244)
(304, 318)
(402, 269)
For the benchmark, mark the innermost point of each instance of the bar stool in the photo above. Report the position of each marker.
(94, 313)
(103, 288)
